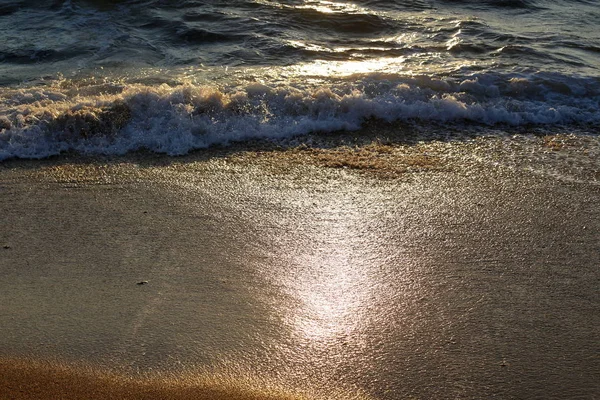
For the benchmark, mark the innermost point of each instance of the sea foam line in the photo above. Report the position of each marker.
(116, 118)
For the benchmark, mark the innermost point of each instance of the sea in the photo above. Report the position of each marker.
(110, 77)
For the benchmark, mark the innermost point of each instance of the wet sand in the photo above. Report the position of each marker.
(31, 379)
(390, 272)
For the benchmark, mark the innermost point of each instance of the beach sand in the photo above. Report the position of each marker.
(433, 270)
(34, 379)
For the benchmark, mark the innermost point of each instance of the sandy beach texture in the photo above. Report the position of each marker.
(31, 379)
(464, 269)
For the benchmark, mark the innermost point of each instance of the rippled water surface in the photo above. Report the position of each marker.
(418, 36)
(115, 76)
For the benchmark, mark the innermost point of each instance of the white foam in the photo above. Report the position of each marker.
(175, 120)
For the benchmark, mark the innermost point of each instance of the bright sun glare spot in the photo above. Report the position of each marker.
(331, 302)
(332, 287)
(330, 7)
(347, 68)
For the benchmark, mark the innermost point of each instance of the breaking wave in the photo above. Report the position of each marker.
(116, 118)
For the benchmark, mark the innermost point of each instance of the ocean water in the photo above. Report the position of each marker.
(110, 76)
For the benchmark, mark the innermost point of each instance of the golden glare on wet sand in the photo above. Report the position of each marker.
(27, 379)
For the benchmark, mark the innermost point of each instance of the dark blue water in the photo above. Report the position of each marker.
(171, 76)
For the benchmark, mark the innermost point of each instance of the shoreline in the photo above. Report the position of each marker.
(375, 148)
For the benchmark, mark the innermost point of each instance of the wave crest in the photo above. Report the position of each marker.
(114, 119)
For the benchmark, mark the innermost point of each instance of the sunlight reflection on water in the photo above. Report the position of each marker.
(334, 282)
